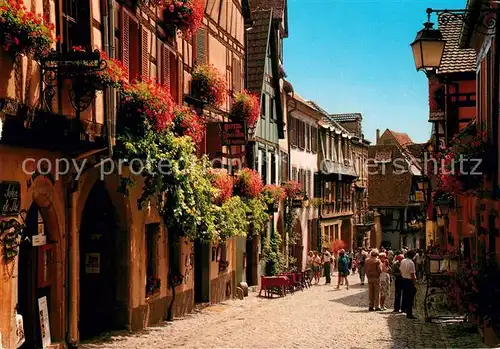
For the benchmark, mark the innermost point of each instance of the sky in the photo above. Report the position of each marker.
(355, 56)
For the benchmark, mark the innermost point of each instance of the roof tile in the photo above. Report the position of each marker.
(256, 49)
(347, 117)
(455, 59)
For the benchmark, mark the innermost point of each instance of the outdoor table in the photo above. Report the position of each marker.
(268, 282)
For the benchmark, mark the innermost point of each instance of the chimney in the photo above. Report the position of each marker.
(378, 136)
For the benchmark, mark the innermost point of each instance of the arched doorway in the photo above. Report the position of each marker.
(98, 265)
(34, 277)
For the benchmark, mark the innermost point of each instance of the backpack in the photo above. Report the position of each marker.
(362, 260)
(395, 269)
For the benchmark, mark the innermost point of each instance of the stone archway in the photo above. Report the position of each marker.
(116, 233)
(41, 269)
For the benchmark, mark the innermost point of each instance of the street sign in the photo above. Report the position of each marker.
(10, 198)
(233, 133)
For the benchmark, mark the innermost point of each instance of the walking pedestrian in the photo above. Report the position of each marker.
(398, 283)
(385, 280)
(361, 258)
(309, 266)
(343, 269)
(408, 272)
(420, 264)
(316, 266)
(327, 259)
(373, 268)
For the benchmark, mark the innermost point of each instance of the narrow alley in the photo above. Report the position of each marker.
(318, 317)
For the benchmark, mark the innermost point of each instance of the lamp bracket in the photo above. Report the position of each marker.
(482, 20)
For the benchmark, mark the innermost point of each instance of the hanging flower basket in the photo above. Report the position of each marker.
(24, 32)
(184, 15)
(292, 190)
(246, 107)
(107, 72)
(209, 85)
(147, 105)
(248, 183)
(188, 123)
(223, 183)
(272, 195)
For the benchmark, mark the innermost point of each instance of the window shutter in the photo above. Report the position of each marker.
(314, 139)
(174, 77)
(294, 174)
(236, 75)
(293, 131)
(317, 185)
(308, 182)
(125, 31)
(145, 54)
(303, 134)
(166, 67)
(201, 46)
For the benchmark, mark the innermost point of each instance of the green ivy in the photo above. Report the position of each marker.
(232, 219)
(291, 219)
(272, 255)
(257, 208)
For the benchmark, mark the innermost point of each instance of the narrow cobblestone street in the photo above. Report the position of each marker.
(318, 317)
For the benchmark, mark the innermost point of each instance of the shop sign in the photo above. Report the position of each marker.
(39, 240)
(20, 339)
(44, 322)
(10, 198)
(92, 263)
(233, 133)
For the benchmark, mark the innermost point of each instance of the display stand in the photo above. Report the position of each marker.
(439, 271)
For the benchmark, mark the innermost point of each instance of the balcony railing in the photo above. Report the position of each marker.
(366, 218)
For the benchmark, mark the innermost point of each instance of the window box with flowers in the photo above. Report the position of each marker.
(183, 15)
(93, 68)
(208, 85)
(24, 32)
(187, 123)
(461, 165)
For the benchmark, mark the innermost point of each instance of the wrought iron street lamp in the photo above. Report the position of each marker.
(428, 47)
(443, 208)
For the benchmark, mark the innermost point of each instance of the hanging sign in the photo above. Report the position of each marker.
(39, 240)
(233, 133)
(20, 339)
(92, 263)
(10, 198)
(44, 322)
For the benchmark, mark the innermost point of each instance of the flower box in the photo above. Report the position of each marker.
(24, 32)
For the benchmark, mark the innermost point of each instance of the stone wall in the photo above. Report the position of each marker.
(219, 287)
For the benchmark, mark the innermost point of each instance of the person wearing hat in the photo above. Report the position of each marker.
(343, 269)
(373, 269)
(398, 282)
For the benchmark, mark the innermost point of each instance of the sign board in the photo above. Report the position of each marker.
(20, 338)
(39, 240)
(10, 198)
(92, 263)
(44, 322)
(233, 133)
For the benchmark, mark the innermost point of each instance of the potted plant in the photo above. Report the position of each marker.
(209, 85)
(24, 32)
(246, 107)
(153, 285)
(184, 15)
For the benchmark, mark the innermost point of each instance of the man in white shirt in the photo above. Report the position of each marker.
(408, 272)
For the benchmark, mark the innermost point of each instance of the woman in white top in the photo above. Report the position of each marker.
(385, 280)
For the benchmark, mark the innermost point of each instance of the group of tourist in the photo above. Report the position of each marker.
(381, 269)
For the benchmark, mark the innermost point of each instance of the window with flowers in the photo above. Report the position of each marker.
(76, 24)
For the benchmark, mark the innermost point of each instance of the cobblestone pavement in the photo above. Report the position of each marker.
(319, 317)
